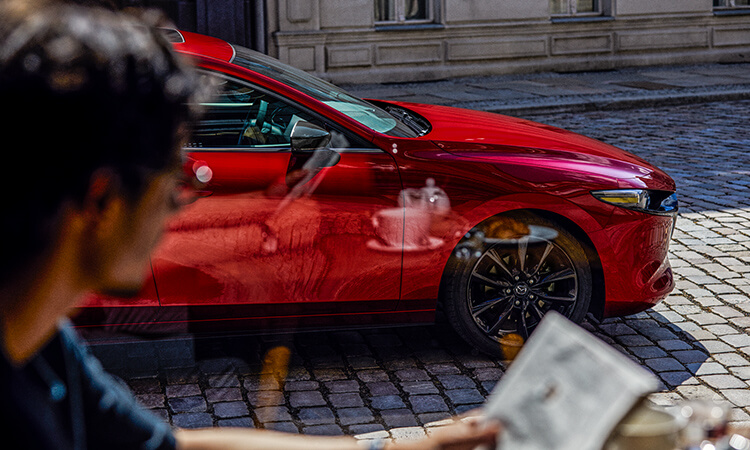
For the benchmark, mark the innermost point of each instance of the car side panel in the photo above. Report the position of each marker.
(260, 239)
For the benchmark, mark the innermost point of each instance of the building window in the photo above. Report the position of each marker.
(403, 11)
(575, 7)
(731, 4)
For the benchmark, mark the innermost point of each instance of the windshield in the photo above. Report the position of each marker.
(363, 112)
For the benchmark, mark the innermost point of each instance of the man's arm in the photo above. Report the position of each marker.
(108, 413)
(462, 435)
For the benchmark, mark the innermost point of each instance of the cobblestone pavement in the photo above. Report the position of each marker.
(399, 382)
(697, 340)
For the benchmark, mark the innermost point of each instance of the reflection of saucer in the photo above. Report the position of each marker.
(536, 234)
(432, 244)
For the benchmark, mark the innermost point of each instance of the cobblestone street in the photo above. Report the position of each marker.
(398, 382)
(696, 341)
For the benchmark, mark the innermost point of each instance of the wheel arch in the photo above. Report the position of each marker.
(597, 274)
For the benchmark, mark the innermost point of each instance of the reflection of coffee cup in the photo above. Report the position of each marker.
(645, 428)
(389, 226)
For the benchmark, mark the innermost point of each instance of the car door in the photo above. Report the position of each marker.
(271, 232)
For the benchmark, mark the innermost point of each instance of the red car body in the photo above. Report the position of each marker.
(245, 255)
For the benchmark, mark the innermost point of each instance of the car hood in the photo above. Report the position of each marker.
(525, 149)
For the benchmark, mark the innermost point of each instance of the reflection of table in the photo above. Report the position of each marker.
(685, 425)
(646, 427)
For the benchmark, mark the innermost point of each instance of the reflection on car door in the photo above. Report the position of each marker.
(258, 238)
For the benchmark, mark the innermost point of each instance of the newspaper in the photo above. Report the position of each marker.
(566, 390)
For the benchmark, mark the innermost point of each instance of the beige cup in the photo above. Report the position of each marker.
(646, 428)
(389, 226)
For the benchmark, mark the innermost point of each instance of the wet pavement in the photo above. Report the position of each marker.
(399, 382)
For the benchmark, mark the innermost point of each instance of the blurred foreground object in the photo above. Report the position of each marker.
(646, 427)
(566, 390)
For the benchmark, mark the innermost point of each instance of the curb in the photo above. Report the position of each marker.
(614, 103)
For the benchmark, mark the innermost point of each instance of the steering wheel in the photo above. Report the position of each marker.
(254, 123)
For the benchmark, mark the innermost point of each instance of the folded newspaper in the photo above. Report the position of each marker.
(566, 390)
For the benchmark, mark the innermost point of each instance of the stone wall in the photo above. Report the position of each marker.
(339, 40)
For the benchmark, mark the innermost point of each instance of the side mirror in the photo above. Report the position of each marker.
(307, 137)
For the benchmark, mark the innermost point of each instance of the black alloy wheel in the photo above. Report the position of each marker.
(500, 291)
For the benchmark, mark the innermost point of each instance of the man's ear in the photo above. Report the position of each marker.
(103, 198)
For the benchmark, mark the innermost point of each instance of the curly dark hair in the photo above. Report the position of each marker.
(82, 88)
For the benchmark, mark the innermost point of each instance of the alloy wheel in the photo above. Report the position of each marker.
(512, 286)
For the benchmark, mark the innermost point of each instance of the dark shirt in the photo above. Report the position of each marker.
(63, 399)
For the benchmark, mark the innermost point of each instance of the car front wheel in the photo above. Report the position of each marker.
(496, 291)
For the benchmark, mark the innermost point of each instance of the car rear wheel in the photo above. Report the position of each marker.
(497, 292)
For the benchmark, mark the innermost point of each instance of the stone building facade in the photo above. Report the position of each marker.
(355, 41)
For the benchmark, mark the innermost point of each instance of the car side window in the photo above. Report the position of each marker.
(240, 116)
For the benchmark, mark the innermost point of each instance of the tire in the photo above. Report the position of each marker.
(495, 294)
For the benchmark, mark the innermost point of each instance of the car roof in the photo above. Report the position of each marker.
(198, 44)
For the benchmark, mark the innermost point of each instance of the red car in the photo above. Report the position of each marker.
(319, 208)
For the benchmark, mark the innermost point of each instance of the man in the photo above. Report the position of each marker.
(95, 111)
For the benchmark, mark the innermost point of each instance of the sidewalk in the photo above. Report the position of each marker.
(528, 94)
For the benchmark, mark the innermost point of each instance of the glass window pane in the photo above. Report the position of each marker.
(587, 6)
(415, 10)
(241, 116)
(224, 118)
(385, 10)
(742, 2)
(573, 7)
(558, 6)
(367, 113)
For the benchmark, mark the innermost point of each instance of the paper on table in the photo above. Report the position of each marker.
(566, 390)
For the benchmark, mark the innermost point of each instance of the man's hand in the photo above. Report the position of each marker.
(465, 434)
